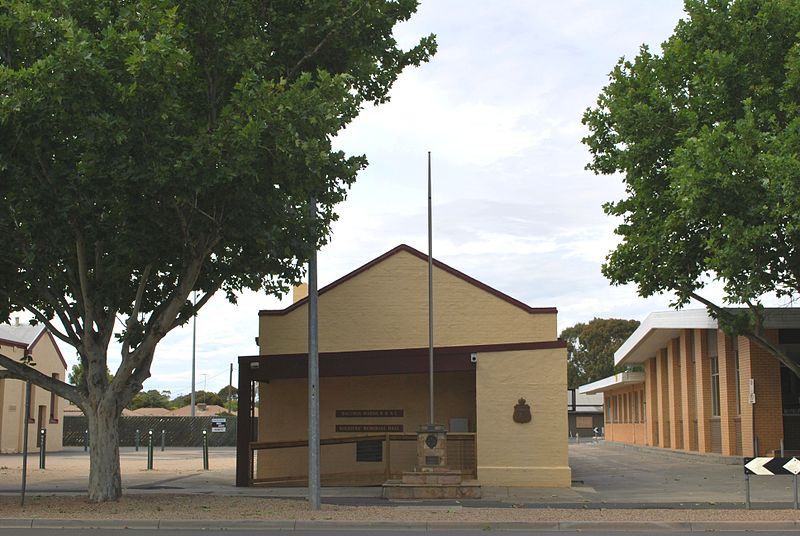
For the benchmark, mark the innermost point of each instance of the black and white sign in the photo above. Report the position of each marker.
(218, 424)
(768, 466)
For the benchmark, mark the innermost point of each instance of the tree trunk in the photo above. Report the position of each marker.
(105, 481)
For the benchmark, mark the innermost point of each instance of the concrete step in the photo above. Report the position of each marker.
(466, 489)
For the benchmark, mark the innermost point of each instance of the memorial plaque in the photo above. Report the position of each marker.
(371, 413)
(369, 427)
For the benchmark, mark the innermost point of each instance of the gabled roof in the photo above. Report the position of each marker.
(20, 336)
(659, 328)
(424, 257)
(26, 336)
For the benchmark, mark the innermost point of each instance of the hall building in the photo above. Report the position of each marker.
(499, 381)
(691, 387)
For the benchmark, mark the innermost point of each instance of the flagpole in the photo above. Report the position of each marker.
(430, 294)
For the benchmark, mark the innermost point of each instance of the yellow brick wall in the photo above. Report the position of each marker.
(532, 454)
(283, 416)
(386, 307)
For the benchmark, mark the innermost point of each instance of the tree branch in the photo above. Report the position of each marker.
(137, 306)
(83, 277)
(296, 69)
(20, 371)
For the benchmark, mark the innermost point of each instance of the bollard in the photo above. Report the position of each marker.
(796, 502)
(205, 450)
(577, 437)
(149, 450)
(85, 440)
(136, 441)
(163, 442)
(42, 447)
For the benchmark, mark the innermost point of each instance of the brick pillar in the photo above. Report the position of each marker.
(757, 363)
(651, 402)
(745, 373)
(702, 375)
(688, 407)
(727, 394)
(675, 398)
(663, 399)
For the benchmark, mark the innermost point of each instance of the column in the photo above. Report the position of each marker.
(663, 399)
(727, 394)
(243, 424)
(702, 375)
(688, 410)
(675, 398)
(651, 402)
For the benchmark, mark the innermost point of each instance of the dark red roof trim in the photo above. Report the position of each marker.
(423, 256)
(380, 362)
(15, 344)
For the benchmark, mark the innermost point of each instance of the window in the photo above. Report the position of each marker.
(641, 399)
(711, 341)
(369, 451)
(636, 406)
(54, 404)
(715, 387)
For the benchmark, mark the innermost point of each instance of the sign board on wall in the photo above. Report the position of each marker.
(218, 424)
(372, 413)
(369, 427)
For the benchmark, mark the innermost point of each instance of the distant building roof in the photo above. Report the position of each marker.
(612, 382)
(22, 334)
(201, 410)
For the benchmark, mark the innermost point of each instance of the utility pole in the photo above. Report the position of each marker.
(313, 372)
(194, 341)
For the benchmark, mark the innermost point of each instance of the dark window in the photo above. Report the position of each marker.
(54, 404)
(789, 336)
(369, 451)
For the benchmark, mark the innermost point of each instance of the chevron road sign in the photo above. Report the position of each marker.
(768, 466)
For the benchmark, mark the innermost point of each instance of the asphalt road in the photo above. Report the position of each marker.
(349, 530)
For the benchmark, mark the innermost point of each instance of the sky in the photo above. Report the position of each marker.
(499, 107)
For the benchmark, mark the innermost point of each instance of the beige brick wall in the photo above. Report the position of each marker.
(727, 394)
(663, 399)
(12, 402)
(386, 307)
(651, 401)
(533, 454)
(702, 368)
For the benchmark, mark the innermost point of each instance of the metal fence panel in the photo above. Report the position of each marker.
(178, 431)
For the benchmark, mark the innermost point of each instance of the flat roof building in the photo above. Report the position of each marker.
(692, 387)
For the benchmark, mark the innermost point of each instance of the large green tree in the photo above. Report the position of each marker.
(153, 148)
(706, 136)
(591, 347)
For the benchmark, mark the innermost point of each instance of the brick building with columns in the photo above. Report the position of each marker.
(691, 387)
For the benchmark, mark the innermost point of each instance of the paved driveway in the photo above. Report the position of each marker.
(615, 473)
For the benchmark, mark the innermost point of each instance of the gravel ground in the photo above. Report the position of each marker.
(194, 507)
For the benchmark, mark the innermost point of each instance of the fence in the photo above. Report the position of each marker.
(179, 431)
(396, 453)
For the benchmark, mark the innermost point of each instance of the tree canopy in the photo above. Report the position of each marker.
(591, 347)
(152, 148)
(706, 135)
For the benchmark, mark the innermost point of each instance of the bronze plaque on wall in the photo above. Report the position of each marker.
(372, 413)
(369, 427)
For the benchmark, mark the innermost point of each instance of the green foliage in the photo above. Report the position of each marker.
(151, 148)
(591, 347)
(201, 397)
(150, 399)
(223, 393)
(76, 376)
(706, 137)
